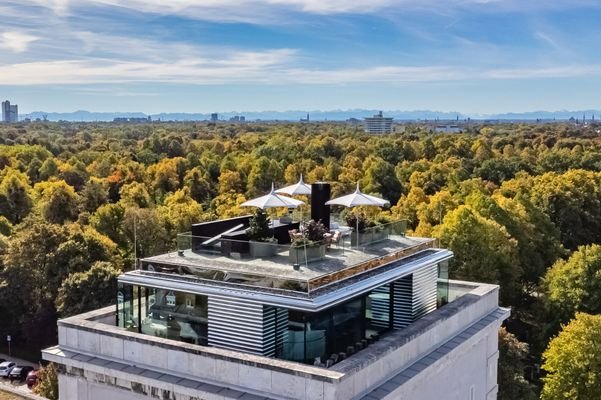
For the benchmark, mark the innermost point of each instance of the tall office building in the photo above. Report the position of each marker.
(378, 124)
(364, 315)
(214, 117)
(10, 113)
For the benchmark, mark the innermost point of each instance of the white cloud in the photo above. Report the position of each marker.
(231, 68)
(65, 54)
(567, 71)
(272, 11)
(269, 67)
(17, 42)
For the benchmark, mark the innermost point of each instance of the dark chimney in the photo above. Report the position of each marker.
(320, 193)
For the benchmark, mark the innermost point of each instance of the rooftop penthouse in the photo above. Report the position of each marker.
(225, 315)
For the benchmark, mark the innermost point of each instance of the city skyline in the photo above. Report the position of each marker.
(474, 56)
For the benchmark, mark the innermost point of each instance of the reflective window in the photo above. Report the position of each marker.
(127, 307)
(378, 316)
(443, 283)
(176, 315)
(163, 313)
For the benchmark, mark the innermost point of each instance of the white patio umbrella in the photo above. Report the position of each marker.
(298, 188)
(358, 199)
(272, 200)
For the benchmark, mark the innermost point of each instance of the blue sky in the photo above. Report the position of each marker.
(471, 56)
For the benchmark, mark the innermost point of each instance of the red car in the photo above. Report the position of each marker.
(32, 378)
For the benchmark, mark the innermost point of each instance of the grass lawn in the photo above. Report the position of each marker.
(9, 396)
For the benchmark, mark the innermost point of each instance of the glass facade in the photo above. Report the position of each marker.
(339, 331)
(321, 338)
(163, 313)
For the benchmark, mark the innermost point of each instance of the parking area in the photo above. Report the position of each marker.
(16, 387)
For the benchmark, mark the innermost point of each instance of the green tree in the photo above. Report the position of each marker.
(484, 251)
(5, 226)
(145, 227)
(108, 220)
(167, 175)
(572, 361)
(230, 181)
(49, 169)
(407, 206)
(135, 195)
(200, 188)
(380, 178)
(39, 257)
(93, 195)
(15, 202)
(47, 385)
(258, 229)
(575, 284)
(89, 290)
(262, 174)
(180, 212)
(571, 200)
(57, 201)
(512, 358)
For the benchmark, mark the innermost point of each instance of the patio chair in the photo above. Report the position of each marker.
(332, 238)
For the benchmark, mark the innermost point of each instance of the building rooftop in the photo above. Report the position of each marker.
(279, 265)
(217, 258)
(212, 262)
(91, 341)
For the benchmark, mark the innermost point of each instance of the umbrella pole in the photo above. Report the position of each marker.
(357, 221)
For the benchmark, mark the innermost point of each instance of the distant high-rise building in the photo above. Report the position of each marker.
(214, 117)
(378, 124)
(133, 119)
(10, 113)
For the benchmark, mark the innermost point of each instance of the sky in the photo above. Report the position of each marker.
(153, 56)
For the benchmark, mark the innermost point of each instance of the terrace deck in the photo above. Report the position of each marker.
(337, 260)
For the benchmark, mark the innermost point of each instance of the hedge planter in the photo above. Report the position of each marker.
(263, 249)
(314, 252)
(368, 237)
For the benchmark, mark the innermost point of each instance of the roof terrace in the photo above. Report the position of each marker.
(309, 269)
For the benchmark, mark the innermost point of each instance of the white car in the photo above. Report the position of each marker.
(5, 368)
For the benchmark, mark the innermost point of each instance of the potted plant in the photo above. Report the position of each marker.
(356, 220)
(310, 245)
(261, 243)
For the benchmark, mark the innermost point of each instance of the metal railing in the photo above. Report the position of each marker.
(259, 264)
(368, 266)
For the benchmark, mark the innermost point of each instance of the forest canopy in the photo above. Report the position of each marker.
(512, 201)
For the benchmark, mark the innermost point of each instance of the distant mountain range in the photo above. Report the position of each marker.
(317, 115)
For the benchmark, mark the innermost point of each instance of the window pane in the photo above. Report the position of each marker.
(176, 315)
(377, 311)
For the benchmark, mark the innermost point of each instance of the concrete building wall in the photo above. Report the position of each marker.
(467, 372)
(442, 355)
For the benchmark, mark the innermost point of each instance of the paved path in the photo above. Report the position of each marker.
(18, 360)
(20, 389)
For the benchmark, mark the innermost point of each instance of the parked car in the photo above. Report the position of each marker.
(19, 373)
(32, 378)
(5, 368)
